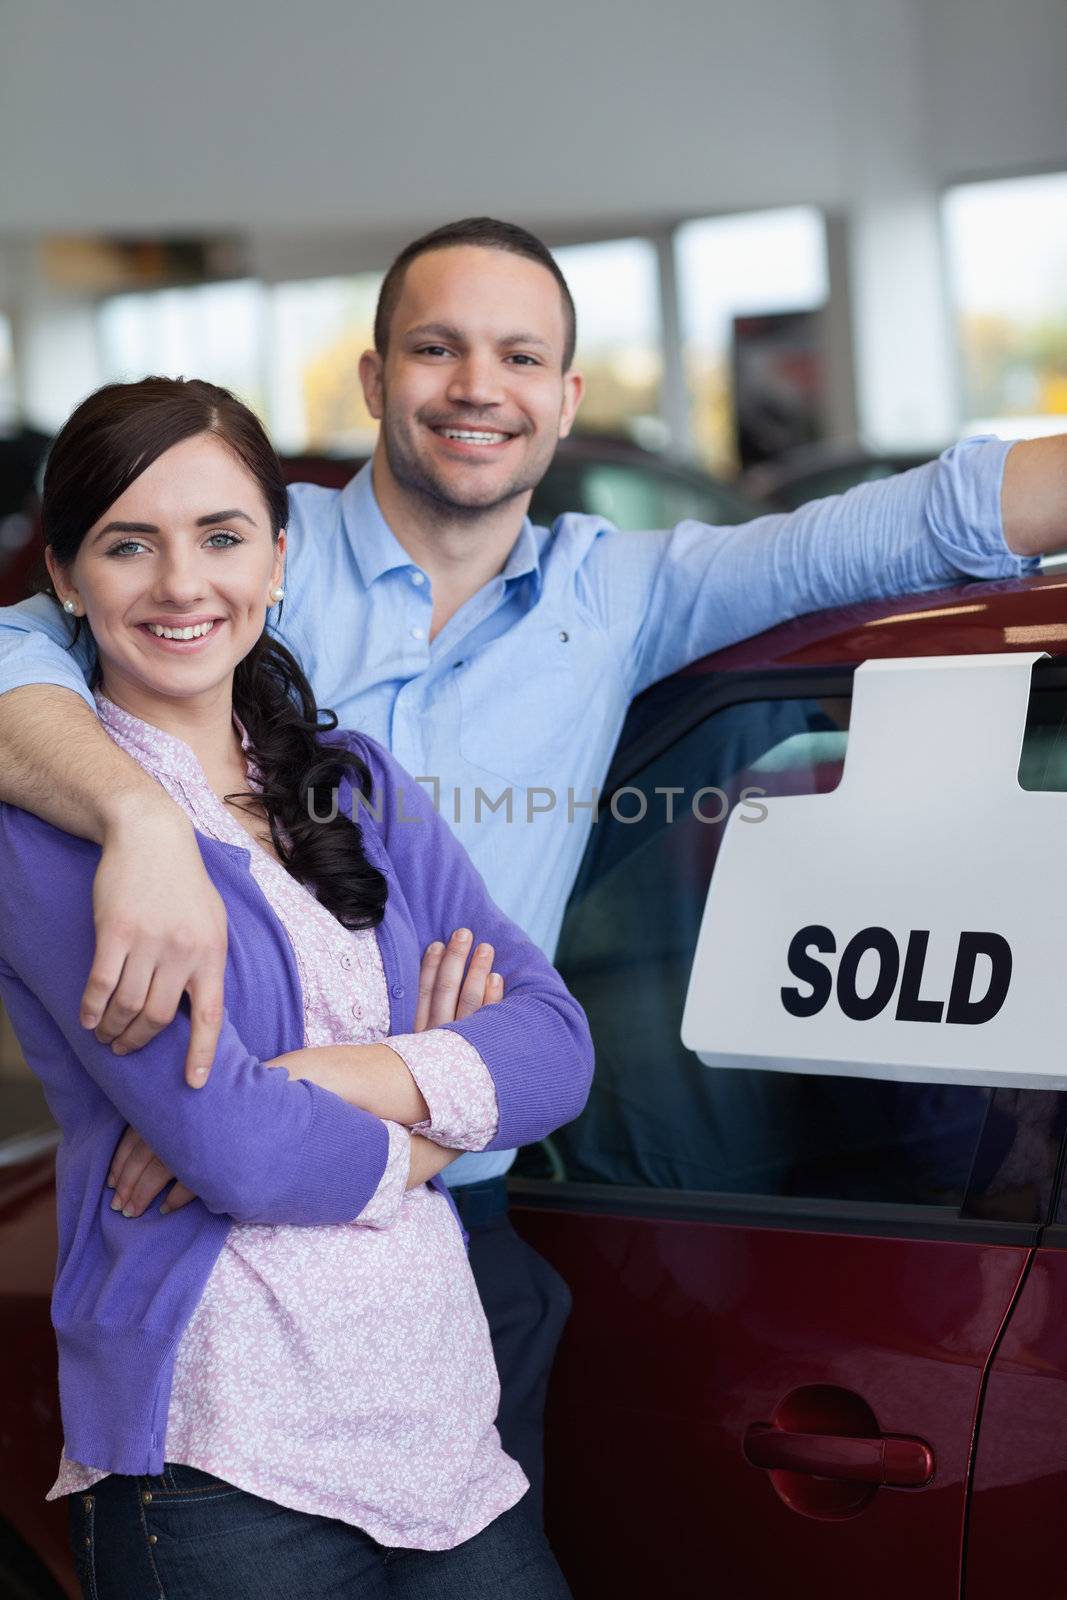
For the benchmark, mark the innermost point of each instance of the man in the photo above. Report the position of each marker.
(495, 659)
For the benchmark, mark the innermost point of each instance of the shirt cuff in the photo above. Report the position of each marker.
(456, 1085)
(384, 1204)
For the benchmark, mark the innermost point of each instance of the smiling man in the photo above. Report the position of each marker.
(495, 659)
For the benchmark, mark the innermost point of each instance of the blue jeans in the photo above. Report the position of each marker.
(189, 1536)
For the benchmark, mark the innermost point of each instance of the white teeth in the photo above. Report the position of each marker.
(468, 435)
(180, 633)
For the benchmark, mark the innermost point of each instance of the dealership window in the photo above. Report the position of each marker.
(1007, 261)
(318, 330)
(615, 286)
(212, 331)
(768, 268)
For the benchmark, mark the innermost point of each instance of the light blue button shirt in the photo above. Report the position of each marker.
(511, 714)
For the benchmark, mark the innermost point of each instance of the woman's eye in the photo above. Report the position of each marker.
(227, 538)
(126, 547)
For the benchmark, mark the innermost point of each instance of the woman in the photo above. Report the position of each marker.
(285, 1386)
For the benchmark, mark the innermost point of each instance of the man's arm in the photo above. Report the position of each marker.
(1033, 499)
(160, 924)
(670, 597)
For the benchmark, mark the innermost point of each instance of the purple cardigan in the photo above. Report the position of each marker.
(254, 1145)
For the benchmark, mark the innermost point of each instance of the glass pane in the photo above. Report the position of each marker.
(318, 331)
(214, 331)
(657, 1117)
(762, 262)
(615, 286)
(1007, 259)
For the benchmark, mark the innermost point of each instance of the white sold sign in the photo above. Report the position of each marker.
(910, 924)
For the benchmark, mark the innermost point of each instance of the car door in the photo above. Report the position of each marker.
(1016, 1532)
(787, 1288)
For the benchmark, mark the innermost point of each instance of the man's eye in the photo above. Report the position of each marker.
(431, 350)
(228, 538)
(525, 360)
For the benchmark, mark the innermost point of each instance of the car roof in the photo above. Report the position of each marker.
(971, 618)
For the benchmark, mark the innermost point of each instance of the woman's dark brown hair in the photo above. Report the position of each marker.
(106, 444)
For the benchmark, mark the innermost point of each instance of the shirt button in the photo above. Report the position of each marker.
(398, 991)
(418, 633)
(346, 962)
(564, 636)
(457, 664)
(418, 579)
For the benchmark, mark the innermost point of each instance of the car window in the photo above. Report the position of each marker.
(657, 1118)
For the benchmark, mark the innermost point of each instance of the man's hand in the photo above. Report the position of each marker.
(160, 932)
(137, 1175)
(445, 995)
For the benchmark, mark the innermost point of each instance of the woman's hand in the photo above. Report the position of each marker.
(449, 990)
(137, 1175)
(445, 994)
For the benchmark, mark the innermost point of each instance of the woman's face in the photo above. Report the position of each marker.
(187, 547)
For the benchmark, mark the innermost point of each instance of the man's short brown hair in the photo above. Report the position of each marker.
(488, 234)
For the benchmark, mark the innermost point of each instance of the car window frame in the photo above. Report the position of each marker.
(878, 1218)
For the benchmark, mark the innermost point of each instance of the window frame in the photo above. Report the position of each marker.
(879, 1218)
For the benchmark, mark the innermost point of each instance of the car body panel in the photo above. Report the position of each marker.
(1017, 1531)
(683, 1335)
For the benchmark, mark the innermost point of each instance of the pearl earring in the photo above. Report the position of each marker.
(276, 594)
(69, 607)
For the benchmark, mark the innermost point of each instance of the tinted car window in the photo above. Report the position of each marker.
(657, 1117)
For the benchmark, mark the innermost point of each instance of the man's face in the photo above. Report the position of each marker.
(472, 396)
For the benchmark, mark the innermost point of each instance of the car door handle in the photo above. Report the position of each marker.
(896, 1462)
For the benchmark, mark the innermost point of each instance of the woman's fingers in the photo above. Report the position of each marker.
(179, 1196)
(431, 961)
(494, 989)
(449, 980)
(152, 1181)
(472, 993)
(126, 1146)
(137, 1160)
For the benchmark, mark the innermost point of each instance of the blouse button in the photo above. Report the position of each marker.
(398, 991)
(346, 962)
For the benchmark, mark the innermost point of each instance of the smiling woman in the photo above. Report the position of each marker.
(260, 1359)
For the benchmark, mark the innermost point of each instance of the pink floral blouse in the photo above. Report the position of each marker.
(344, 1370)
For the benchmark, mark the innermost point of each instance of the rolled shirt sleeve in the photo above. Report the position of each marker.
(456, 1085)
(384, 1204)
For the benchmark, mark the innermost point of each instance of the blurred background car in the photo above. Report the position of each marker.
(819, 470)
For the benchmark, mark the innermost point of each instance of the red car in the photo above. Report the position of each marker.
(818, 1344)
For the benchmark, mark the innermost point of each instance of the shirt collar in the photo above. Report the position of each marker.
(378, 550)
